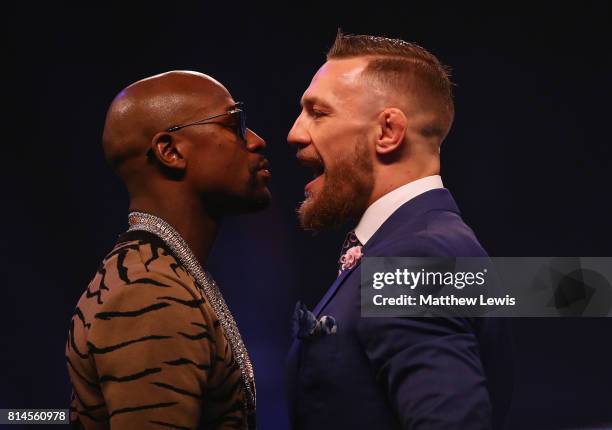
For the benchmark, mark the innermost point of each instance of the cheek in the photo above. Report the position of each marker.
(234, 169)
(236, 162)
(335, 151)
(211, 171)
(336, 139)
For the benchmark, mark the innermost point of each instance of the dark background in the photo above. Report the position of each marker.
(528, 161)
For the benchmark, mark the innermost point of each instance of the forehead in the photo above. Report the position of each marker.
(214, 95)
(210, 102)
(337, 81)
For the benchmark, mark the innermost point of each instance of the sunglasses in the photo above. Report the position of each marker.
(239, 127)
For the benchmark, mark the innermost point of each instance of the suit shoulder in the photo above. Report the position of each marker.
(436, 233)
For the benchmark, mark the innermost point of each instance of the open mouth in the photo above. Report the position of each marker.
(317, 166)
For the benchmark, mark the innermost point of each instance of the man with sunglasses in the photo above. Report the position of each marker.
(152, 342)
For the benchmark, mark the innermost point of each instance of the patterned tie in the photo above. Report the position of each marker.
(350, 253)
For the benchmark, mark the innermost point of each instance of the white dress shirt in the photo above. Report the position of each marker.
(379, 211)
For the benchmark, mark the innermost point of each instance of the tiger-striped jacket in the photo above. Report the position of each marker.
(145, 350)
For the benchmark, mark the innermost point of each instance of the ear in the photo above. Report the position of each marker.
(392, 123)
(166, 149)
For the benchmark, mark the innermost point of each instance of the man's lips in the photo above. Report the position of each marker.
(263, 167)
(263, 164)
(308, 186)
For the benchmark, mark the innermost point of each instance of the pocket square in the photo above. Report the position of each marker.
(305, 324)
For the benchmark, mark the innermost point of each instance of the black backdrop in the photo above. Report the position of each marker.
(528, 161)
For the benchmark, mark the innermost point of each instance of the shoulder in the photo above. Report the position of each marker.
(142, 260)
(433, 233)
(140, 280)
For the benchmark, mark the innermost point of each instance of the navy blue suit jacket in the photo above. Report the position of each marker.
(403, 373)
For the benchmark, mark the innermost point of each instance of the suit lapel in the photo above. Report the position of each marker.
(332, 290)
(435, 199)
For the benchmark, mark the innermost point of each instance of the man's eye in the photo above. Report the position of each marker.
(317, 113)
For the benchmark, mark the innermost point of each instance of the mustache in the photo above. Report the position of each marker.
(314, 160)
(259, 164)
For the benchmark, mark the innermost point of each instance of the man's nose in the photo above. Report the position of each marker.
(254, 141)
(298, 135)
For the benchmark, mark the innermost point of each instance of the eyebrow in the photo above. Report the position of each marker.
(311, 101)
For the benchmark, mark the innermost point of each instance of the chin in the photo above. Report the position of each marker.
(258, 202)
(237, 204)
(313, 216)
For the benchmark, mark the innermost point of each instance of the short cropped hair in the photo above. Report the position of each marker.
(404, 68)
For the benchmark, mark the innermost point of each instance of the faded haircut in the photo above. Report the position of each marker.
(403, 68)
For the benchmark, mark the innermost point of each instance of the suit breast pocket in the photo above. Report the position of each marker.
(318, 361)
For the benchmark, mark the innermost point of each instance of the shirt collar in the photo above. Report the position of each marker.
(378, 212)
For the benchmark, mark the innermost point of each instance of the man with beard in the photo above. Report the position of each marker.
(152, 343)
(371, 126)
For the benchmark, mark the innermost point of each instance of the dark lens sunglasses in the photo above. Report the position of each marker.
(239, 128)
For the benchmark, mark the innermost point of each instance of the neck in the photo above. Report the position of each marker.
(391, 178)
(187, 216)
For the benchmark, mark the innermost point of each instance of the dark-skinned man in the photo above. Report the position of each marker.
(152, 343)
